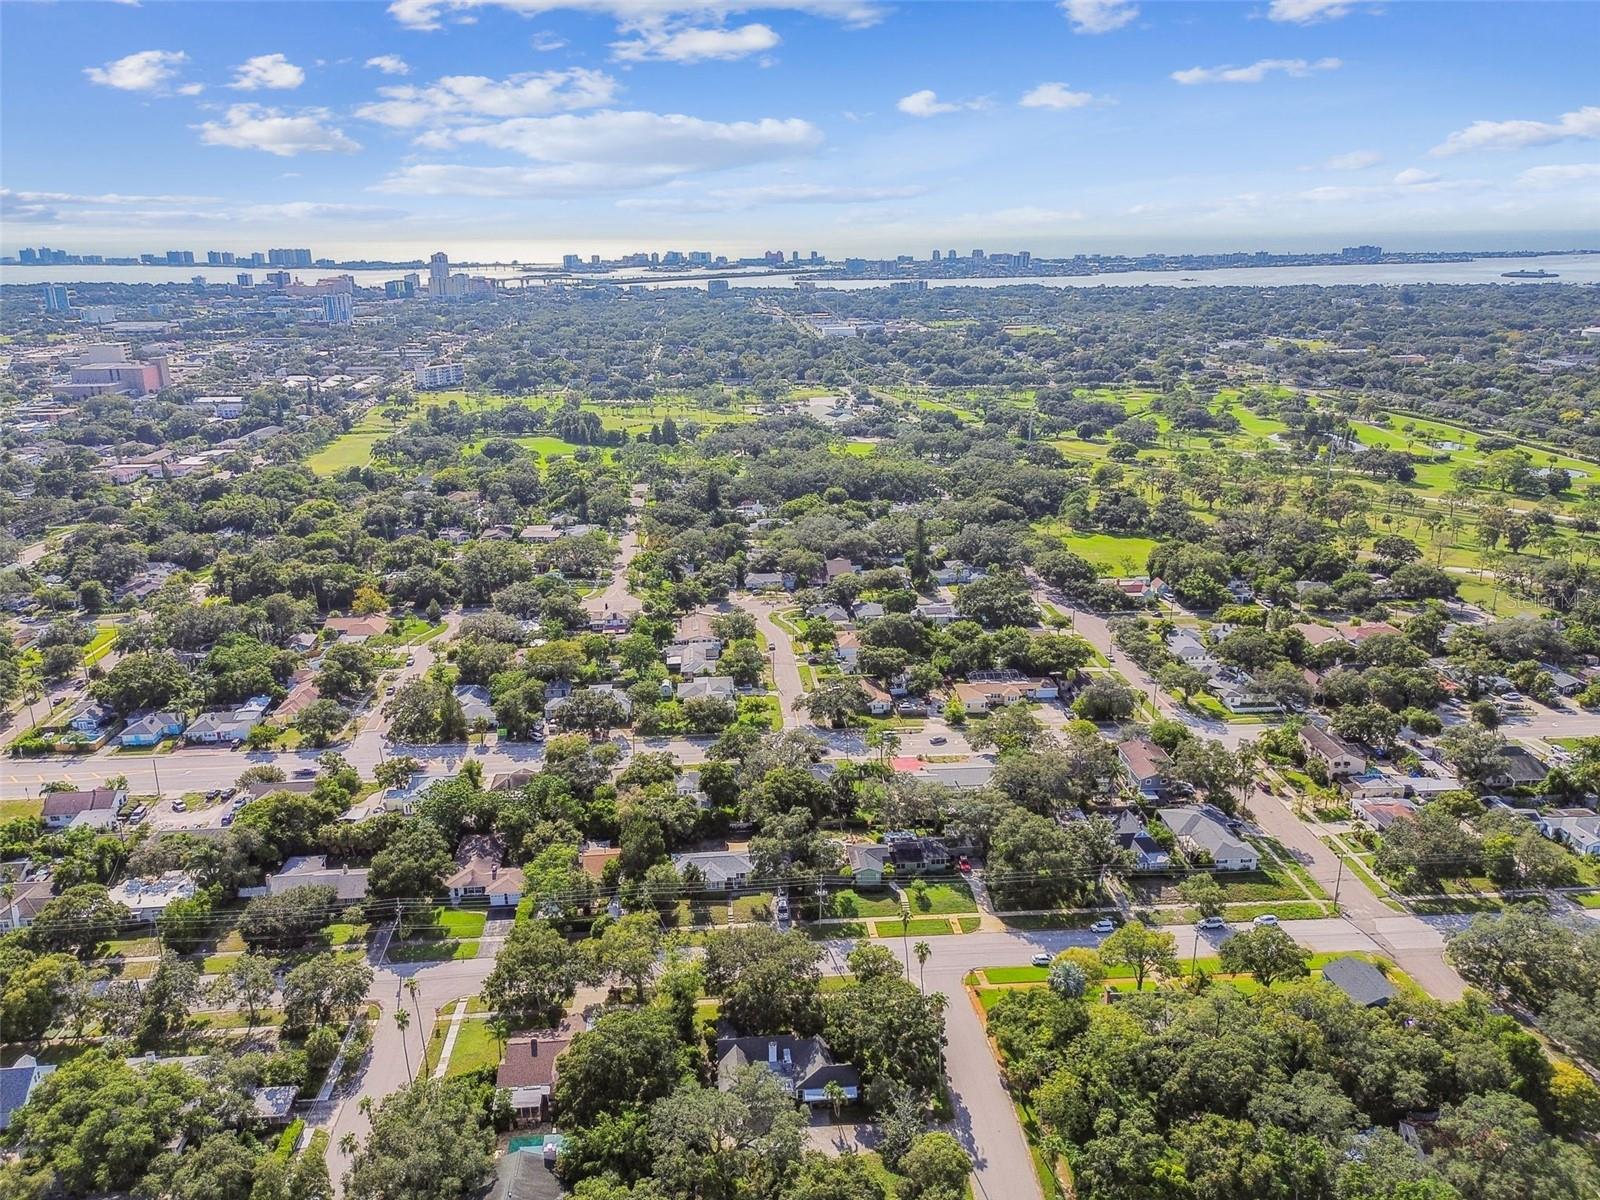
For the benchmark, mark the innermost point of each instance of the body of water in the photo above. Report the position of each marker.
(1572, 268)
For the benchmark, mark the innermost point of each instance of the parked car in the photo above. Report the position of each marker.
(1265, 919)
(179, 806)
(937, 741)
(964, 865)
(305, 773)
(1043, 959)
(1211, 923)
(1103, 925)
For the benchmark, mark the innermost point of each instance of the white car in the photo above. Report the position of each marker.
(1211, 923)
(1103, 925)
(1042, 959)
(1265, 919)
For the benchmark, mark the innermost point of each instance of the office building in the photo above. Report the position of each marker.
(98, 314)
(105, 367)
(55, 299)
(570, 262)
(413, 282)
(278, 278)
(245, 279)
(400, 289)
(439, 276)
(337, 309)
(438, 375)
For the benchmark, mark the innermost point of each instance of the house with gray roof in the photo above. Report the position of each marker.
(721, 870)
(312, 870)
(1358, 979)
(474, 698)
(805, 1065)
(712, 687)
(17, 1083)
(1204, 828)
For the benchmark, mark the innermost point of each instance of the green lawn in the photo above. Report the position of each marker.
(937, 898)
(449, 923)
(353, 449)
(100, 646)
(475, 1047)
(441, 951)
(19, 810)
(916, 927)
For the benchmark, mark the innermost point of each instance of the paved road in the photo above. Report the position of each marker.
(615, 596)
(985, 1120)
(785, 663)
(1416, 944)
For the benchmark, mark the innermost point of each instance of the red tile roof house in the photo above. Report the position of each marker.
(357, 629)
(529, 1074)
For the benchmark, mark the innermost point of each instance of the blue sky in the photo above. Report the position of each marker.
(528, 128)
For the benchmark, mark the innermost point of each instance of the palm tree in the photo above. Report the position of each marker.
(411, 987)
(347, 1145)
(402, 1022)
(922, 950)
(905, 932)
(835, 1096)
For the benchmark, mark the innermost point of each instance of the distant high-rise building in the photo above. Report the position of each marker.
(98, 314)
(937, 256)
(214, 258)
(570, 262)
(278, 278)
(977, 256)
(27, 256)
(439, 276)
(437, 375)
(413, 281)
(1024, 258)
(55, 299)
(594, 260)
(245, 279)
(336, 308)
(717, 287)
(401, 289)
(951, 254)
(289, 258)
(1362, 253)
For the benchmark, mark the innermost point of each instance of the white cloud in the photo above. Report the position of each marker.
(1099, 16)
(659, 44)
(646, 138)
(7, 195)
(1308, 12)
(432, 14)
(736, 199)
(1558, 175)
(926, 103)
(546, 43)
(566, 179)
(255, 127)
(190, 89)
(456, 98)
(390, 64)
(267, 71)
(145, 71)
(1257, 71)
(1415, 177)
(1055, 95)
(1355, 160)
(1582, 124)
(314, 210)
(604, 151)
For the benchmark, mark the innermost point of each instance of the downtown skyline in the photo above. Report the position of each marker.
(532, 128)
